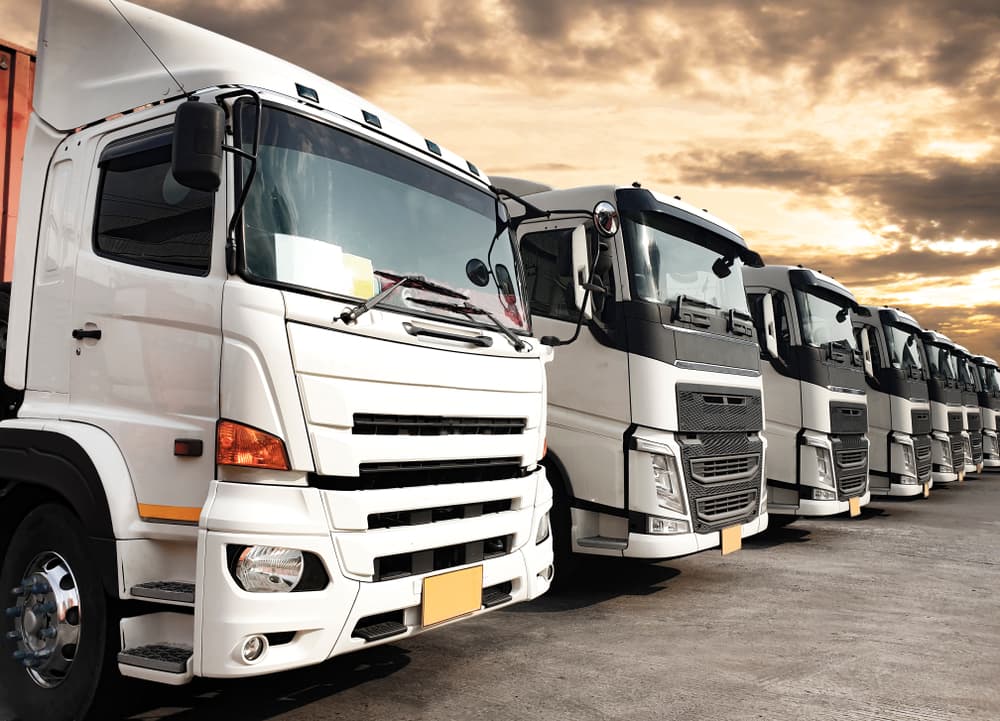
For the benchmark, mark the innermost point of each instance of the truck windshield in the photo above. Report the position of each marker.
(904, 348)
(989, 379)
(664, 266)
(824, 321)
(942, 362)
(328, 209)
(966, 373)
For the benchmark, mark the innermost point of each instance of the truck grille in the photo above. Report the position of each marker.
(439, 559)
(922, 451)
(955, 422)
(921, 421)
(850, 463)
(406, 474)
(976, 438)
(373, 424)
(717, 409)
(728, 468)
(730, 496)
(848, 418)
(957, 447)
(395, 519)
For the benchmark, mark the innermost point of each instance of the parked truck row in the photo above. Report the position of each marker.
(284, 379)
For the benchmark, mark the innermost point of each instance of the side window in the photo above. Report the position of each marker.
(782, 327)
(878, 358)
(547, 267)
(145, 217)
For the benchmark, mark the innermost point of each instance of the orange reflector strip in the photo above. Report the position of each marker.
(240, 445)
(183, 514)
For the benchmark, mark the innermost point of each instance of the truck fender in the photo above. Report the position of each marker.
(81, 465)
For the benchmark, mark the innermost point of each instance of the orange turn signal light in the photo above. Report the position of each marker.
(240, 445)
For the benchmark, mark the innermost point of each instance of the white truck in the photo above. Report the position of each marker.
(899, 411)
(989, 404)
(973, 422)
(655, 447)
(948, 437)
(271, 394)
(814, 392)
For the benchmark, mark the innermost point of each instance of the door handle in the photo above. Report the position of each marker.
(82, 333)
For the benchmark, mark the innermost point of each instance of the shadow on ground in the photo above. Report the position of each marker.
(264, 697)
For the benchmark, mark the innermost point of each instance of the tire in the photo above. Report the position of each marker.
(52, 537)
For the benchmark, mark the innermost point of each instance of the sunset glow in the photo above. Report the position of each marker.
(855, 137)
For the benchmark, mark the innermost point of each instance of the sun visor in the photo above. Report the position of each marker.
(807, 280)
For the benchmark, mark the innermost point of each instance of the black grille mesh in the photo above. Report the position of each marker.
(714, 411)
(374, 424)
(850, 463)
(921, 420)
(957, 448)
(922, 450)
(976, 438)
(975, 421)
(724, 503)
(848, 418)
(955, 422)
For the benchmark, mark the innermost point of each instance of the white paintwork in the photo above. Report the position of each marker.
(154, 628)
(794, 407)
(180, 352)
(596, 393)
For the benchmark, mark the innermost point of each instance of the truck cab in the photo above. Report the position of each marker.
(814, 389)
(948, 435)
(988, 373)
(899, 415)
(273, 392)
(973, 422)
(654, 438)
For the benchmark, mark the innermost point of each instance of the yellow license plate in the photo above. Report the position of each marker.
(854, 504)
(927, 490)
(732, 539)
(961, 476)
(450, 595)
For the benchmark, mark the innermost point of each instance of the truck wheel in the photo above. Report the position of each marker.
(55, 649)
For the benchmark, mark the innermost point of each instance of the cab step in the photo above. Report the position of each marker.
(496, 595)
(165, 657)
(379, 631)
(611, 544)
(170, 591)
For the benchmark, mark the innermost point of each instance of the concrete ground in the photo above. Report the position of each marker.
(892, 616)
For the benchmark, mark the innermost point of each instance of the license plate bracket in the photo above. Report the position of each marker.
(450, 595)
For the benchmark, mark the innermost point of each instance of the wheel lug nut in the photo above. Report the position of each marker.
(13, 612)
(19, 590)
(43, 608)
(40, 588)
(21, 655)
(13, 636)
(48, 633)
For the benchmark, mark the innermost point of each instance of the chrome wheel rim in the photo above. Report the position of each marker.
(47, 617)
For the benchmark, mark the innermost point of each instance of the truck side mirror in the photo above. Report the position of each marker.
(580, 270)
(199, 130)
(866, 353)
(770, 330)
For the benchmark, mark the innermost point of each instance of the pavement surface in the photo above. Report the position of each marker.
(891, 616)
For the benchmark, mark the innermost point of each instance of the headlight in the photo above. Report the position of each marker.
(824, 467)
(909, 462)
(945, 448)
(667, 526)
(667, 482)
(269, 569)
(543, 529)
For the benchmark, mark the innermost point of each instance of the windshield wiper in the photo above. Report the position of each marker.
(470, 309)
(349, 315)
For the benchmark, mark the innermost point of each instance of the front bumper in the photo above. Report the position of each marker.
(650, 546)
(320, 624)
(809, 507)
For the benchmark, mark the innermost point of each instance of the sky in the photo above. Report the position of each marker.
(857, 138)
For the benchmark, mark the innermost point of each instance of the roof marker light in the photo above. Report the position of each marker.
(371, 119)
(307, 93)
(473, 168)
(433, 147)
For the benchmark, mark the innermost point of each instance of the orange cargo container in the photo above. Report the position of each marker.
(17, 77)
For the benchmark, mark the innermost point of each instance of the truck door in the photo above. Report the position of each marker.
(146, 321)
(588, 382)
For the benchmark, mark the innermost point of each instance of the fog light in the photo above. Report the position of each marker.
(253, 648)
(543, 529)
(269, 569)
(908, 481)
(821, 494)
(667, 526)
